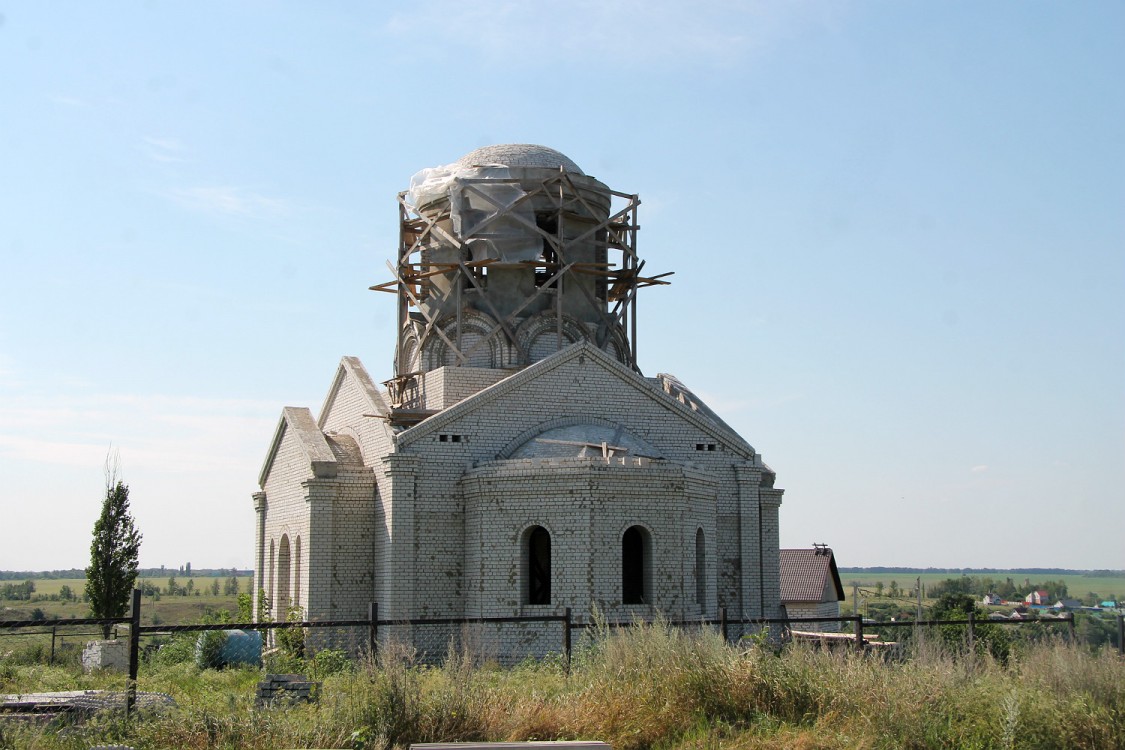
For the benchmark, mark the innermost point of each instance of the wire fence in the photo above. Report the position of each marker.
(289, 647)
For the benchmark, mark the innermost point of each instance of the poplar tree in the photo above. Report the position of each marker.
(113, 554)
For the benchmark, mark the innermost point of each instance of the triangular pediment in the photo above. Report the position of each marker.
(580, 355)
(352, 372)
(296, 424)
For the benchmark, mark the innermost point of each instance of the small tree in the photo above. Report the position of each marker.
(113, 553)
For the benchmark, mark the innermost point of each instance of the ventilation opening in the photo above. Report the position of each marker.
(447, 438)
(706, 447)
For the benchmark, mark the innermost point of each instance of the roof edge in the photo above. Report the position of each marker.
(563, 356)
(319, 454)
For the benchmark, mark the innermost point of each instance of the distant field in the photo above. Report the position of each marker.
(1107, 587)
(52, 586)
(169, 609)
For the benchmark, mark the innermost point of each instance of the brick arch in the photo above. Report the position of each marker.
(538, 335)
(552, 424)
(493, 353)
(409, 356)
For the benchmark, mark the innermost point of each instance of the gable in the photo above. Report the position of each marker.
(579, 380)
(297, 429)
(352, 380)
(354, 402)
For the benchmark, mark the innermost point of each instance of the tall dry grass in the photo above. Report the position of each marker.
(650, 686)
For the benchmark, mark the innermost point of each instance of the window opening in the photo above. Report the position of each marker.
(297, 572)
(539, 566)
(549, 224)
(281, 608)
(700, 568)
(635, 566)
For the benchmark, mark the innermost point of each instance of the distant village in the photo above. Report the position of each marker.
(1039, 603)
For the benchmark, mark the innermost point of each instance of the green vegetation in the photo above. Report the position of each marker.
(114, 553)
(1105, 584)
(645, 687)
(64, 598)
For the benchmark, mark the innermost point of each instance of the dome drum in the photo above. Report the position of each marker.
(514, 233)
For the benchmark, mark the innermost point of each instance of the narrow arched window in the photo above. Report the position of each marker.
(281, 606)
(635, 566)
(700, 568)
(297, 572)
(538, 562)
(272, 585)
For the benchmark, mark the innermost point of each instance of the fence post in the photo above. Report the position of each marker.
(52, 660)
(1121, 635)
(566, 638)
(723, 623)
(859, 632)
(373, 628)
(134, 652)
(1070, 627)
(972, 630)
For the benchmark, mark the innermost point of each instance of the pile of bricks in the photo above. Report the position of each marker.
(291, 688)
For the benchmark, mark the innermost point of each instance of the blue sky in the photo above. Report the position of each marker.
(897, 230)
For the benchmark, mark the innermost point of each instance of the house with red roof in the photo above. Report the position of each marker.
(811, 587)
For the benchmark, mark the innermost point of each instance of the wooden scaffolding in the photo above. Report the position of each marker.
(557, 201)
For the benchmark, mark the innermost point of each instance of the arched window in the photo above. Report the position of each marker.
(537, 561)
(700, 568)
(297, 572)
(272, 573)
(636, 566)
(281, 606)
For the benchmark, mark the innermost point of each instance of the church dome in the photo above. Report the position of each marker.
(519, 155)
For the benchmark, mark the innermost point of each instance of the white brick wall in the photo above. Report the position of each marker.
(432, 528)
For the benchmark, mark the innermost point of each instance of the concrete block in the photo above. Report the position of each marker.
(112, 655)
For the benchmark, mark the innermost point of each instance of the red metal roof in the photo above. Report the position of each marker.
(805, 573)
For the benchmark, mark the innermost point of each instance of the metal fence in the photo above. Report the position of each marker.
(430, 639)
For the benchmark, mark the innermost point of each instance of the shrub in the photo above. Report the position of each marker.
(209, 649)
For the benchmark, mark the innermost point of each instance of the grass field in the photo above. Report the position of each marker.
(52, 586)
(641, 688)
(168, 609)
(1107, 587)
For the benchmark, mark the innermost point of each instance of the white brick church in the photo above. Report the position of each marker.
(517, 462)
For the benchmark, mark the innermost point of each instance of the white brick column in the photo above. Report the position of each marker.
(771, 556)
(749, 541)
(399, 563)
(319, 550)
(259, 550)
